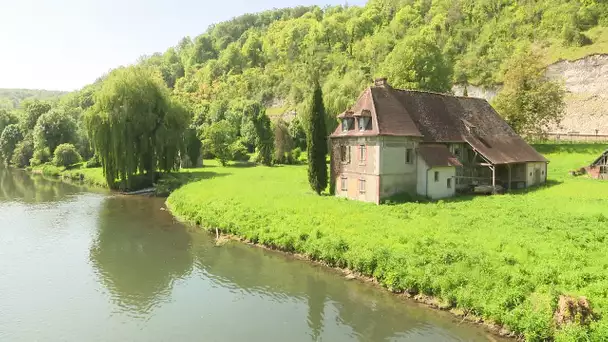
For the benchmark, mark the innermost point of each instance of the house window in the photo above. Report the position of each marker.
(408, 155)
(436, 176)
(449, 183)
(362, 153)
(362, 186)
(344, 184)
(365, 123)
(347, 124)
(457, 152)
(345, 154)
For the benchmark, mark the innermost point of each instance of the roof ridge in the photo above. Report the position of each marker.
(437, 93)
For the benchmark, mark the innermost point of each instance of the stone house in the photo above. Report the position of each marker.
(396, 141)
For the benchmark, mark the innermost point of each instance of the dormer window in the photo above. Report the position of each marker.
(365, 123)
(364, 120)
(347, 124)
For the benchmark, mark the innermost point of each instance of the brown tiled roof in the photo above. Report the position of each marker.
(443, 118)
(437, 155)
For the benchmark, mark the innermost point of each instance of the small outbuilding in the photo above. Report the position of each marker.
(599, 168)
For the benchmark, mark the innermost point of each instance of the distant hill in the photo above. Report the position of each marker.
(10, 98)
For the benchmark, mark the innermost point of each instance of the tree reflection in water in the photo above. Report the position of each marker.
(139, 253)
(22, 186)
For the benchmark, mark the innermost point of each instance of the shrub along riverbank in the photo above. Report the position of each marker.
(77, 173)
(505, 258)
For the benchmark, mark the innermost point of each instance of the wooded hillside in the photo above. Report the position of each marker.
(270, 56)
(11, 98)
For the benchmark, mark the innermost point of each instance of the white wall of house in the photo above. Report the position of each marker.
(421, 177)
(439, 188)
(536, 173)
(397, 174)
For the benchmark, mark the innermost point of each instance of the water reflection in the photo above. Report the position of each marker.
(22, 186)
(139, 253)
(372, 314)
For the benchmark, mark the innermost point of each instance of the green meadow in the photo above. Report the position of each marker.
(506, 258)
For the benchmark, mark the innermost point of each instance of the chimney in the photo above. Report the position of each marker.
(381, 82)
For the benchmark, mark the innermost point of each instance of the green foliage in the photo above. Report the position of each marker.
(134, 125)
(53, 128)
(297, 132)
(10, 137)
(7, 117)
(193, 146)
(41, 156)
(24, 151)
(93, 162)
(317, 142)
(32, 110)
(66, 155)
(218, 139)
(239, 151)
(283, 144)
(417, 63)
(471, 253)
(528, 101)
(263, 133)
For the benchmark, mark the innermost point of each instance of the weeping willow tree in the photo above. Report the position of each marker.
(134, 126)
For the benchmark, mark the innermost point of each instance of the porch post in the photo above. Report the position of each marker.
(493, 179)
(509, 166)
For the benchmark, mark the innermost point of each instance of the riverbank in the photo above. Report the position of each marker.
(505, 258)
(78, 173)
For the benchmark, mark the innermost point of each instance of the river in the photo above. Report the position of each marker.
(82, 265)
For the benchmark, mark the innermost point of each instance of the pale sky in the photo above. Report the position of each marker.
(66, 44)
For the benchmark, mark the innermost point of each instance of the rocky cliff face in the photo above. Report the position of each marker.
(586, 82)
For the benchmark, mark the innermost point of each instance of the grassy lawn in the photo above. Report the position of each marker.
(506, 258)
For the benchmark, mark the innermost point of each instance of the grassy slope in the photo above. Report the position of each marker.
(557, 52)
(506, 258)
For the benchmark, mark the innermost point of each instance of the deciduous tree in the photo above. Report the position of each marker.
(134, 126)
(218, 138)
(10, 137)
(529, 102)
(53, 128)
(417, 63)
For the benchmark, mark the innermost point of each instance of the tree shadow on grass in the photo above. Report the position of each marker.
(241, 165)
(465, 197)
(198, 175)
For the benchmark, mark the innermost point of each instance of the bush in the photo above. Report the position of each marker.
(296, 153)
(66, 155)
(239, 151)
(23, 153)
(574, 37)
(41, 156)
(93, 162)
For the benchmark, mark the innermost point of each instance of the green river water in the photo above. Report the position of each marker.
(82, 265)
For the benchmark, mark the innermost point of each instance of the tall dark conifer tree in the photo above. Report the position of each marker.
(316, 138)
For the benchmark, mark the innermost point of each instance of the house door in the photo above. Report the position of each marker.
(536, 176)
